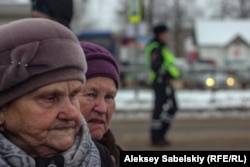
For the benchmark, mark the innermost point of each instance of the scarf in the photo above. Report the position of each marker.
(83, 153)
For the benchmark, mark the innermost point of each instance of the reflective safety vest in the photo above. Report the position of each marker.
(168, 61)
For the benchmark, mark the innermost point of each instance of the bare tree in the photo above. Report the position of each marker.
(173, 12)
(176, 13)
(244, 8)
(231, 9)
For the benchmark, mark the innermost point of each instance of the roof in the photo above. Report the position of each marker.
(221, 32)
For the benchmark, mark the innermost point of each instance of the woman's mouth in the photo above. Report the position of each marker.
(96, 121)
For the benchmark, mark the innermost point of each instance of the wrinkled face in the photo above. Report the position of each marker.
(45, 121)
(97, 103)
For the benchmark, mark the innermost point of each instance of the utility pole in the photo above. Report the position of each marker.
(135, 15)
(177, 28)
(150, 14)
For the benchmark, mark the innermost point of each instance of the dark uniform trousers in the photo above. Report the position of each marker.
(165, 107)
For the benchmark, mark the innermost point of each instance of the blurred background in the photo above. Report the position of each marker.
(211, 42)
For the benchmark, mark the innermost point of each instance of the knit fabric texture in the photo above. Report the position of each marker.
(100, 62)
(35, 52)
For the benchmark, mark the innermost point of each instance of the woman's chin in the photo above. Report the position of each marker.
(96, 136)
(64, 144)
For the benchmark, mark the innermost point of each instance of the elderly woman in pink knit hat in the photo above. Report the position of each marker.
(97, 98)
(42, 70)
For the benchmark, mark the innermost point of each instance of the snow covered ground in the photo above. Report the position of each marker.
(142, 100)
(192, 103)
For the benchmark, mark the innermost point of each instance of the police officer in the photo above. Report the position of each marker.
(161, 63)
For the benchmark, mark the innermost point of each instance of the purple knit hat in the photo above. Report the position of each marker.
(35, 52)
(100, 62)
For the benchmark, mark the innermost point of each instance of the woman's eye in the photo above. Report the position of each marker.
(90, 95)
(51, 99)
(74, 94)
(110, 97)
(47, 101)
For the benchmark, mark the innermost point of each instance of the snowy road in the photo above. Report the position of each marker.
(129, 100)
(207, 121)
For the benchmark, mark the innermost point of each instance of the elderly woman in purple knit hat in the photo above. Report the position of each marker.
(97, 98)
(42, 70)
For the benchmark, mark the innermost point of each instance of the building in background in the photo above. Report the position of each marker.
(221, 58)
(224, 42)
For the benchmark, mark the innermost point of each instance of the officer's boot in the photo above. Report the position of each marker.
(164, 129)
(156, 138)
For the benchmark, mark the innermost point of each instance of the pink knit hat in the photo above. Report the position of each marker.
(100, 62)
(36, 52)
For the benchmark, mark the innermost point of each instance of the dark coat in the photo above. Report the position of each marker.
(108, 140)
(106, 160)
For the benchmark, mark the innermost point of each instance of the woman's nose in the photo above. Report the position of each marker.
(69, 110)
(101, 106)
